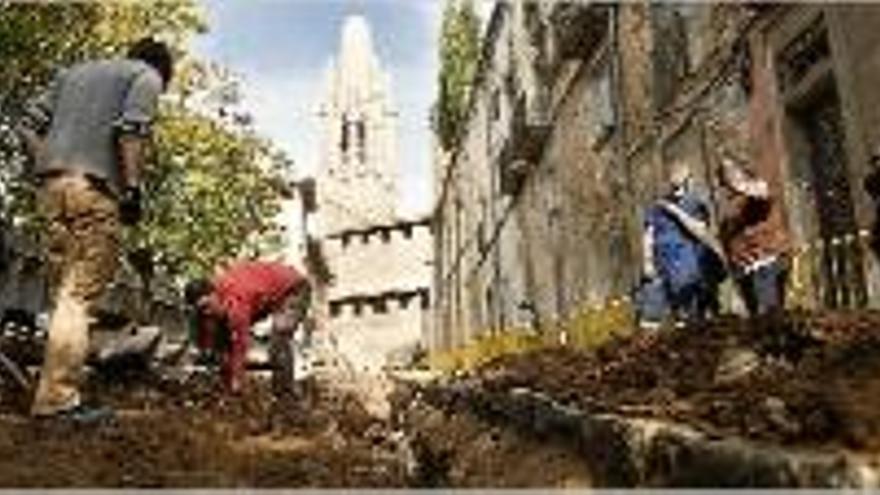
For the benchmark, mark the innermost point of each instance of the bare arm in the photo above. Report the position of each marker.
(735, 178)
(131, 155)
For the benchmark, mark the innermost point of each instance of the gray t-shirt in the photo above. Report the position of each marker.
(87, 107)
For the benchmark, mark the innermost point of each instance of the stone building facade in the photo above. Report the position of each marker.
(374, 310)
(579, 109)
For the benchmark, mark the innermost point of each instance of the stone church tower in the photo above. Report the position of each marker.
(375, 308)
(358, 181)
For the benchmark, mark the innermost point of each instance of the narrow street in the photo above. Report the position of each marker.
(439, 244)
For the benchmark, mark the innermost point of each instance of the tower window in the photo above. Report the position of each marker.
(343, 144)
(335, 309)
(361, 133)
(362, 140)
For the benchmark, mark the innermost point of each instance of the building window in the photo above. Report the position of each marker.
(380, 306)
(807, 50)
(361, 133)
(343, 144)
(482, 241)
(671, 51)
(358, 309)
(335, 309)
(362, 140)
(496, 104)
(599, 105)
(490, 306)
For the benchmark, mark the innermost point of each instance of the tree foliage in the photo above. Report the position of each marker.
(213, 193)
(459, 54)
(212, 185)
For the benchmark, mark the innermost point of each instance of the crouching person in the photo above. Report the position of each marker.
(225, 309)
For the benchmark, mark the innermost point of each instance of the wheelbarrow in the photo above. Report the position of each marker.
(22, 347)
(22, 340)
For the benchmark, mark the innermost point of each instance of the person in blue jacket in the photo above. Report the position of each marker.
(683, 263)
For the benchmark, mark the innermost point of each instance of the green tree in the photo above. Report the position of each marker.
(213, 192)
(459, 54)
(36, 39)
(212, 188)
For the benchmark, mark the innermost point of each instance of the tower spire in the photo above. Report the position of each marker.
(359, 145)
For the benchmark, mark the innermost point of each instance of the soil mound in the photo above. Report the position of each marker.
(793, 379)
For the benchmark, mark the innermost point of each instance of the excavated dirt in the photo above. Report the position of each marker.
(796, 379)
(170, 434)
(458, 449)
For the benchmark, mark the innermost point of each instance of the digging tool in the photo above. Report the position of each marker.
(15, 371)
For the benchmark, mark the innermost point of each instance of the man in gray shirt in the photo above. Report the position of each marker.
(87, 134)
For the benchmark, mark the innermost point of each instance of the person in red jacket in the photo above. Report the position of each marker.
(246, 292)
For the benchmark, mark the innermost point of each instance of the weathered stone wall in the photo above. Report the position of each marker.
(370, 341)
(683, 82)
(377, 261)
(853, 30)
(369, 268)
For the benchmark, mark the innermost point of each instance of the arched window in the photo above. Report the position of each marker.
(343, 143)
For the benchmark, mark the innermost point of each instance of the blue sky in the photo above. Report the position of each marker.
(280, 48)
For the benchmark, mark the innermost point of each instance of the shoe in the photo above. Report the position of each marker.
(82, 415)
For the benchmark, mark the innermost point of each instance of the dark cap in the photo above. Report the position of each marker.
(196, 289)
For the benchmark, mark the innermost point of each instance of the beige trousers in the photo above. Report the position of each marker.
(82, 243)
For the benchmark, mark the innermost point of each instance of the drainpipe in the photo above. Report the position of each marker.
(618, 98)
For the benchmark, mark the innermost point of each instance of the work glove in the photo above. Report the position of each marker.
(130, 210)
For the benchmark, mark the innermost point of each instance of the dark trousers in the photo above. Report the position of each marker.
(763, 290)
(655, 300)
(285, 321)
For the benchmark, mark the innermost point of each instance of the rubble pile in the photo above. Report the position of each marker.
(795, 379)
